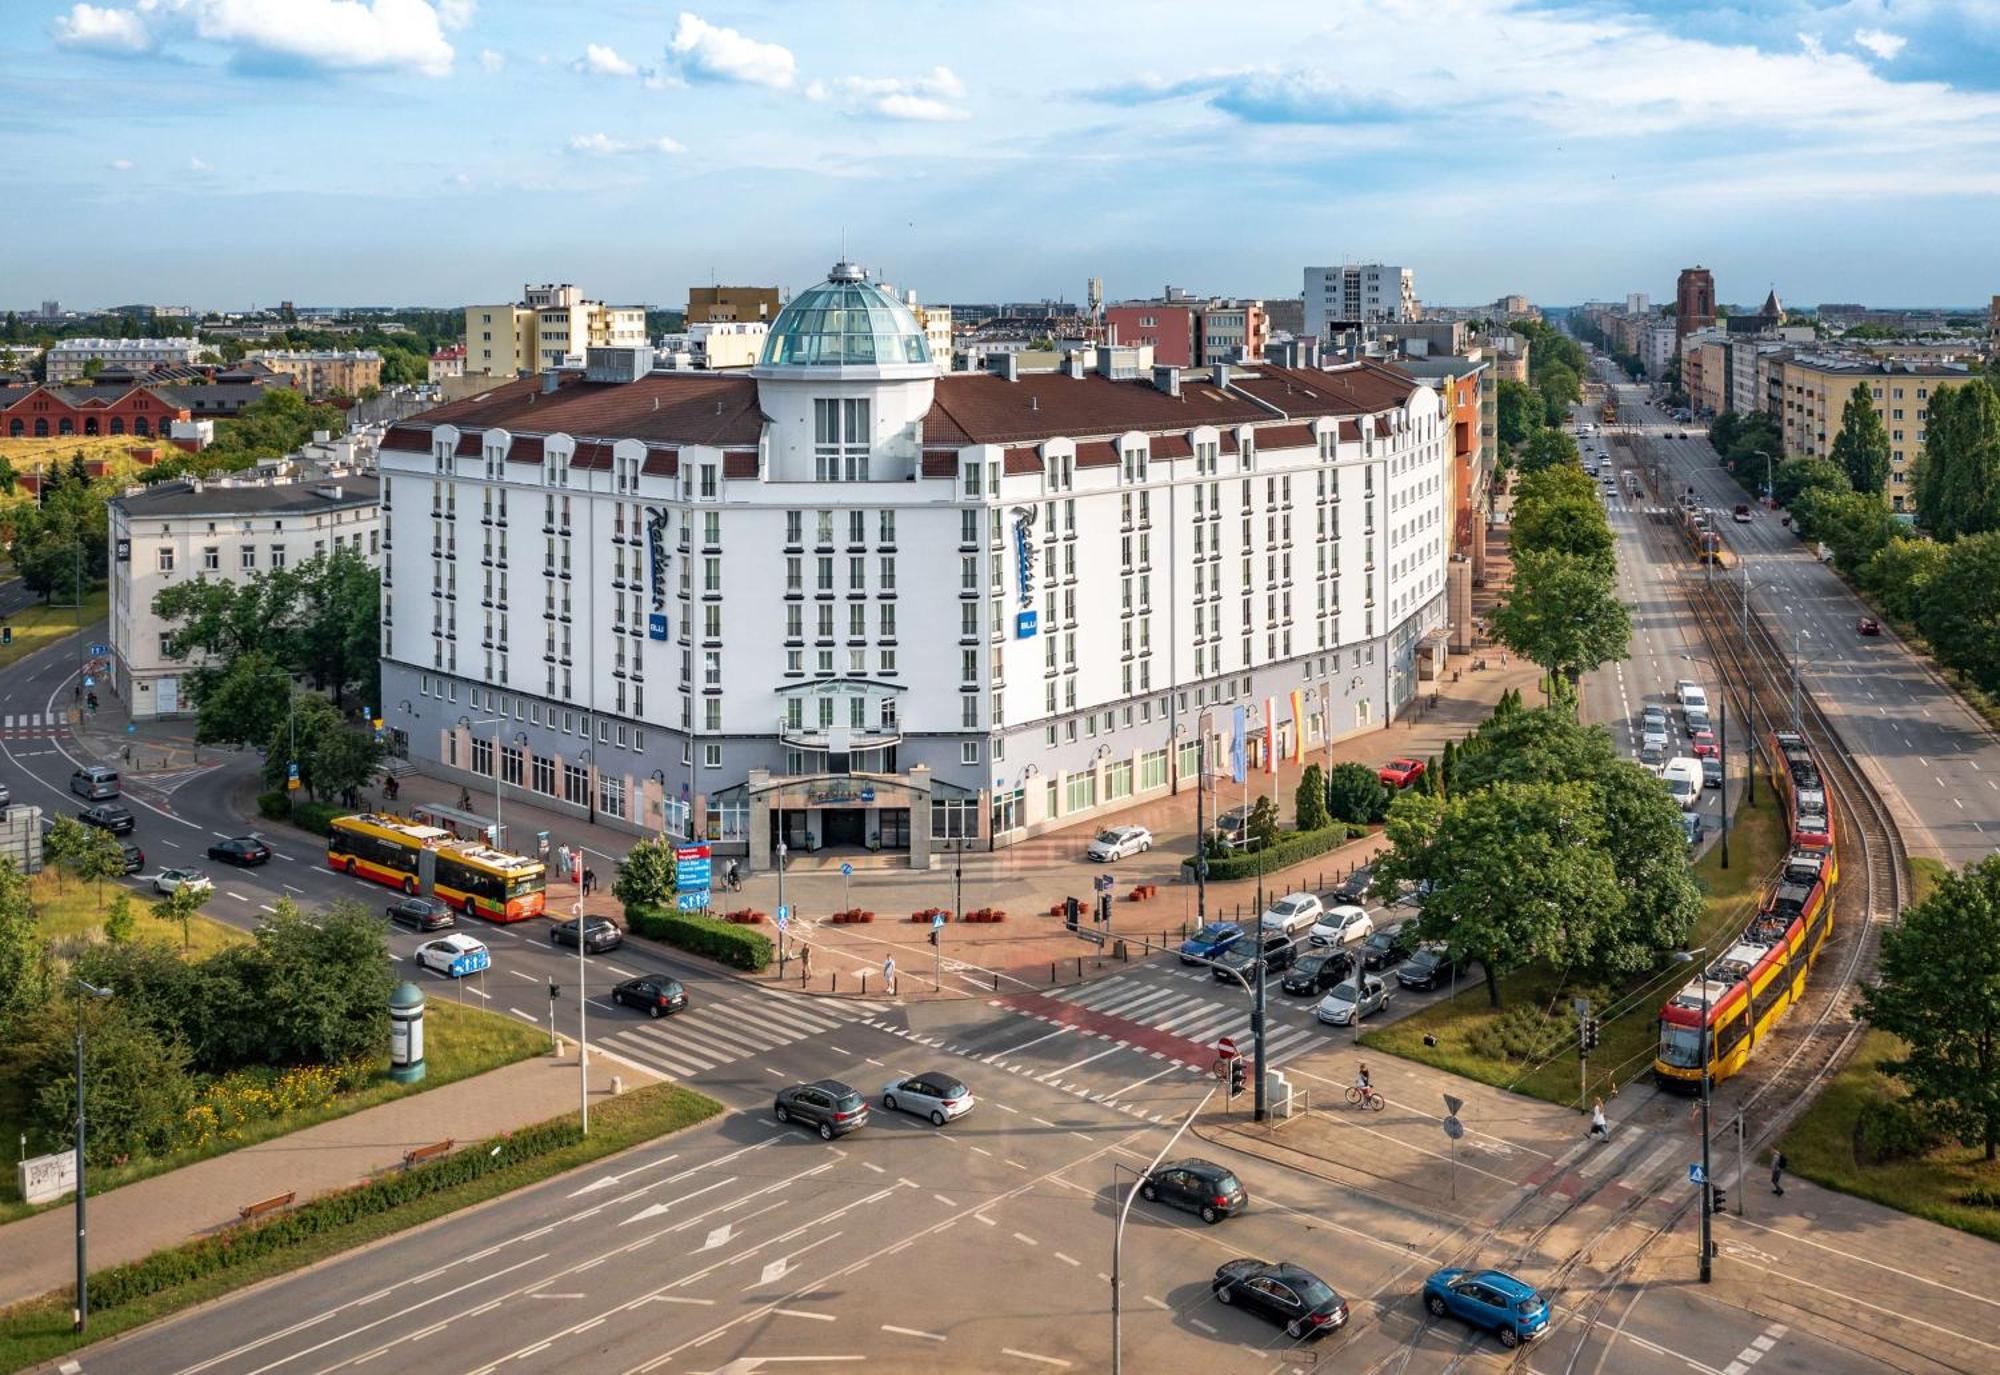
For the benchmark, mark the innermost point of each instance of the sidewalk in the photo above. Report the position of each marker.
(166, 1210)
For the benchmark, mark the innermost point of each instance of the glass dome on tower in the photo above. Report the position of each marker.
(845, 321)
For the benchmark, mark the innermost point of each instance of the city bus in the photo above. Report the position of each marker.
(465, 875)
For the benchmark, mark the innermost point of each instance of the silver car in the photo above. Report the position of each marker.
(1347, 1000)
(936, 1095)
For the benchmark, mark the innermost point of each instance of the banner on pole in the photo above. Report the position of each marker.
(1298, 726)
(1240, 721)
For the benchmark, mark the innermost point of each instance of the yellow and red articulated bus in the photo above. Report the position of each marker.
(464, 875)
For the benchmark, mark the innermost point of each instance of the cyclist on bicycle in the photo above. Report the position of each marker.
(1362, 1083)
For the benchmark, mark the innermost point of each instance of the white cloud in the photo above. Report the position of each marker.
(456, 14)
(602, 145)
(599, 60)
(106, 30)
(122, 164)
(707, 52)
(491, 61)
(197, 165)
(925, 98)
(1881, 42)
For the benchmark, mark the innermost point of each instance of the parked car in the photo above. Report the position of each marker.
(116, 820)
(1314, 974)
(937, 1096)
(1711, 772)
(135, 858)
(1701, 743)
(1347, 1000)
(1290, 1295)
(241, 850)
(1278, 952)
(656, 995)
(6, 797)
(1430, 966)
(828, 1105)
(454, 956)
(1210, 941)
(421, 914)
(1343, 926)
(170, 880)
(1233, 828)
(600, 934)
(1292, 913)
(1868, 625)
(1118, 843)
(1201, 1187)
(94, 784)
(1400, 773)
(1389, 945)
(1354, 888)
(1508, 1307)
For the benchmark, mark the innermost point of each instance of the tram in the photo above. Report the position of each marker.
(1808, 818)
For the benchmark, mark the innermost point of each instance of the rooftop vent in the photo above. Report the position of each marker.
(616, 364)
(1167, 379)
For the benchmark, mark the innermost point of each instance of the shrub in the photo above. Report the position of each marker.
(316, 817)
(1290, 848)
(1354, 794)
(740, 947)
(646, 876)
(1892, 1129)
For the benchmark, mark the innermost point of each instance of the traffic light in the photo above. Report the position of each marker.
(555, 990)
(1236, 1077)
(1590, 1034)
(1717, 1200)
(6, 634)
(1104, 907)
(933, 935)
(1072, 912)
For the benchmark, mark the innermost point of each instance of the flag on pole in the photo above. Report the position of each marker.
(1270, 735)
(1236, 744)
(1298, 725)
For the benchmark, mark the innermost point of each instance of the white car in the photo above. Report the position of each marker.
(168, 880)
(454, 956)
(936, 1095)
(1119, 842)
(1345, 1002)
(1343, 925)
(1291, 914)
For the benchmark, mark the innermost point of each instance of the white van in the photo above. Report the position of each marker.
(1683, 779)
(1692, 694)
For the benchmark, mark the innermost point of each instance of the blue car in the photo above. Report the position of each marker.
(1210, 941)
(1508, 1307)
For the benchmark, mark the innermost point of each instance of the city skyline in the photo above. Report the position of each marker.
(649, 148)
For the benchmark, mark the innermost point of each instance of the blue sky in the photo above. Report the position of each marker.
(229, 152)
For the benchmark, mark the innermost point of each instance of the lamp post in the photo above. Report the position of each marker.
(1770, 489)
(84, 990)
(1707, 1179)
(589, 763)
(495, 722)
(1118, 1234)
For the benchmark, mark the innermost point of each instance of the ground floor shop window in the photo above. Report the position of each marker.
(1153, 769)
(576, 785)
(611, 797)
(1080, 792)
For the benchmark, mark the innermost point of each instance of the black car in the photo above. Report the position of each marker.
(1196, 1186)
(1279, 953)
(1389, 945)
(421, 914)
(603, 934)
(1711, 772)
(1428, 968)
(827, 1104)
(654, 994)
(241, 850)
(1289, 1295)
(1314, 974)
(116, 820)
(1353, 891)
(135, 858)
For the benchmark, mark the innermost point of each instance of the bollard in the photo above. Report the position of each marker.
(864, 983)
(1052, 971)
(834, 986)
(617, 1084)
(1079, 967)
(996, 983)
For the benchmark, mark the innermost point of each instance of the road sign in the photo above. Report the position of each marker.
(937, 920)
(784, 915)
(846, 870)
(1103, 882)
(1581, 1006)
(99, 651)
(1452, 1105)
(692, 902)
(691, 852)
(1696, 1175)
(1454, 1128)
(89, 681)
(1226, 1047)
(291, 777)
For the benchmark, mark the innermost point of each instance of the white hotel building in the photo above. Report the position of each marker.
(856, 603)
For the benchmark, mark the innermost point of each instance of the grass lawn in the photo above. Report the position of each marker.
(1529, 1046)
(70, 910)
(40, 1330)
(41, 626)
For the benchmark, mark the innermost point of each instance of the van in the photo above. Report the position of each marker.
(1683, 779)
(1691, 694)
(95, 783)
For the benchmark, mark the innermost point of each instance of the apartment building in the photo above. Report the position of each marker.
(722, 305)
(1358, 292)
(320, 373)
(69, 358)
(552, 326)
(1811, 391)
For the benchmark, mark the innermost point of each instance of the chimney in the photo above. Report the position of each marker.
(1167, 378)
(1222, 377)
(550, 379)
(1073, 364)
(1008, 365)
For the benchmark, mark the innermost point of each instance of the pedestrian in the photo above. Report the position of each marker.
(1503, 659)
(589, 881)
(889, 974)
(1778, 1173)
(1599, 1128)
(806, 961)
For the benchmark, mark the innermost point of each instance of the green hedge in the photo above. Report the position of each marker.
(743, 947)
(240, 1246)
(1289, 849)
(316, 817)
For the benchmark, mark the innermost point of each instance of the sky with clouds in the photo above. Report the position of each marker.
(230, 152)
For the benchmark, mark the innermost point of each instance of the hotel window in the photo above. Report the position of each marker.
(840, 440)
(545, 775)
(166, 559)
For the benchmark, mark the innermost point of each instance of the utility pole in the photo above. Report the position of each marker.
(82, 1247)
(1750, 727)
(1257, 1022)
(1722, 754)
(1201, 824)
(582, 1003)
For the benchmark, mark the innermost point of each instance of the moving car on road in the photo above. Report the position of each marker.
(1742, 514)
(1201, 1187)
(936, 1095)
(653, 994)
(1210, 941)
(1711, 772)
(1347, 1001)
(1400, 773)
(104, 817)
(1701, 743)
(421, 914)
(171, 880)
(1429, 967)
(454, 956)
(1315, 973)
(826, 1104)
(244, 851)
(1354, 888)
(1343, 926)
(1389, 945)
(1287, 1294)
(601, 934)
(1292, 913)
(1492, 1299)
(1868, 625)
(1118, 843)
(135, 858)
(94, 784)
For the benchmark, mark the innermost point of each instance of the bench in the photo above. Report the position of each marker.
(265, 1205)
(430, 1152)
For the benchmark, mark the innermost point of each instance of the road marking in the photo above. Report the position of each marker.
(267, 907)
(286, 886)
(519, 975)
(907, 1332)
(871, 1165)
(802, 1313)
(942, 1199)
(1079, 1063)
(981, 1217)
(527, 1017)
(1023, 1236)
(1066, 1260)
(232, 893)
(1031, 1356)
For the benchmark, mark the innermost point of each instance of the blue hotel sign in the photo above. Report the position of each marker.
(1024, 573)
(657, 625)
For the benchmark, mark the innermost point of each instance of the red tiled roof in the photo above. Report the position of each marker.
(595, 457)
(940, 463)
(527, 448)
(1172, 446)
(468, 445)
(662, 463)
(677, 408)
(1285, 437)
(1350, 432)
(1022, 462)
(1096, 453)
(987, 409)
(1353, 389)
(739, 465)
(1229, 441)
(407, 439)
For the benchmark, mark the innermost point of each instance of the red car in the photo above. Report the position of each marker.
(1702, 742)
(1868, 625)
(1400, 773)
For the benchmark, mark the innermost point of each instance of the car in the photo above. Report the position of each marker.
(1400, 773)
(1211, 941)
(244, 851)
(1649, 737)
(105, 817)
(1292, 913)
(1388, 945)
(1696, 719)
(1201, 1187)
(1742, 514)
(1278, 952)
(1316, 973)
(135, 858)
(1290, 1295)
(1345, 925)
(1701, 743)
(1354, 888)
(1691, 694)
(1430, 966)
(94, 784)
(936, 1095)
(1653, 712)
(1653, 754)
(454, 956)
(1692, 828)
(6, 797)
(1683, 779)
(827, 1105)
(600, 934)
(1233, 828)
(1119, 842)
(1868, 625)
(1492, 1299)
(1346, 1001)
(172, 880)
(1711, 772)
(421, 914)
(656, 995)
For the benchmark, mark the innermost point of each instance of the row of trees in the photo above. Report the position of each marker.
(63, 536)
(1750, 446)
(1561, 611)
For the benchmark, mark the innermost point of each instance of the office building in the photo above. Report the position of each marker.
(68, 359)
(1365, 293)
(551, 327)
(722, 305)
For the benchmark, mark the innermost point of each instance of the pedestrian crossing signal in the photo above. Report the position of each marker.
(1591, 1034)
(1717, 1200)
(1236, 1077)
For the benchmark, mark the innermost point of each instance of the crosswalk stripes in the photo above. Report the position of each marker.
(32, 723)
(1185, 1013)
(716, 1031)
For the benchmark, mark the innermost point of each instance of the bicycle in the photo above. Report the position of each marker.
(1369, 1097)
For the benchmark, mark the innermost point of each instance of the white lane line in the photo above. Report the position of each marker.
(1056, 1361)
(232, 893)
(802, 1313)
(1078, 1064)
(1066, 1260)
(1026, 1239)
(913, 1332)
(527, 1017)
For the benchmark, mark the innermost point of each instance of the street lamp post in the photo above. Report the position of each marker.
(495, 722)
(1707, 1178)
(1118, 1234)
(82, 1249)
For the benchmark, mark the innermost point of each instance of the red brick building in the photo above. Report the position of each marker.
(44, 412)
(1169, 327)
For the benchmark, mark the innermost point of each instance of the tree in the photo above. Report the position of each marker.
(274, 424)
(1560, 388)
(1562, 615)
(1939, 992)
(1861, 449)
(1546, 449)
(140, 1089)
(324, 985)
(645, 877)
(1851, 524)
(180, 907)
(1263, 824)
(345, 758)
(20, 947)
(1355, 795)
(63, 843)
(9, 476)
(1958, 476)
(1570, 526)
(1901, 573)
(1796, 476)
(1309, 804)
(101, 857)
(337, 640)
(298, 737)
(1519, 411)
(242, 702)
(118, 923)
(1960, 612)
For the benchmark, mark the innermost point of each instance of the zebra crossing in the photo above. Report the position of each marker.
(1196, 1017)
(31, 725)
(719, 1030)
